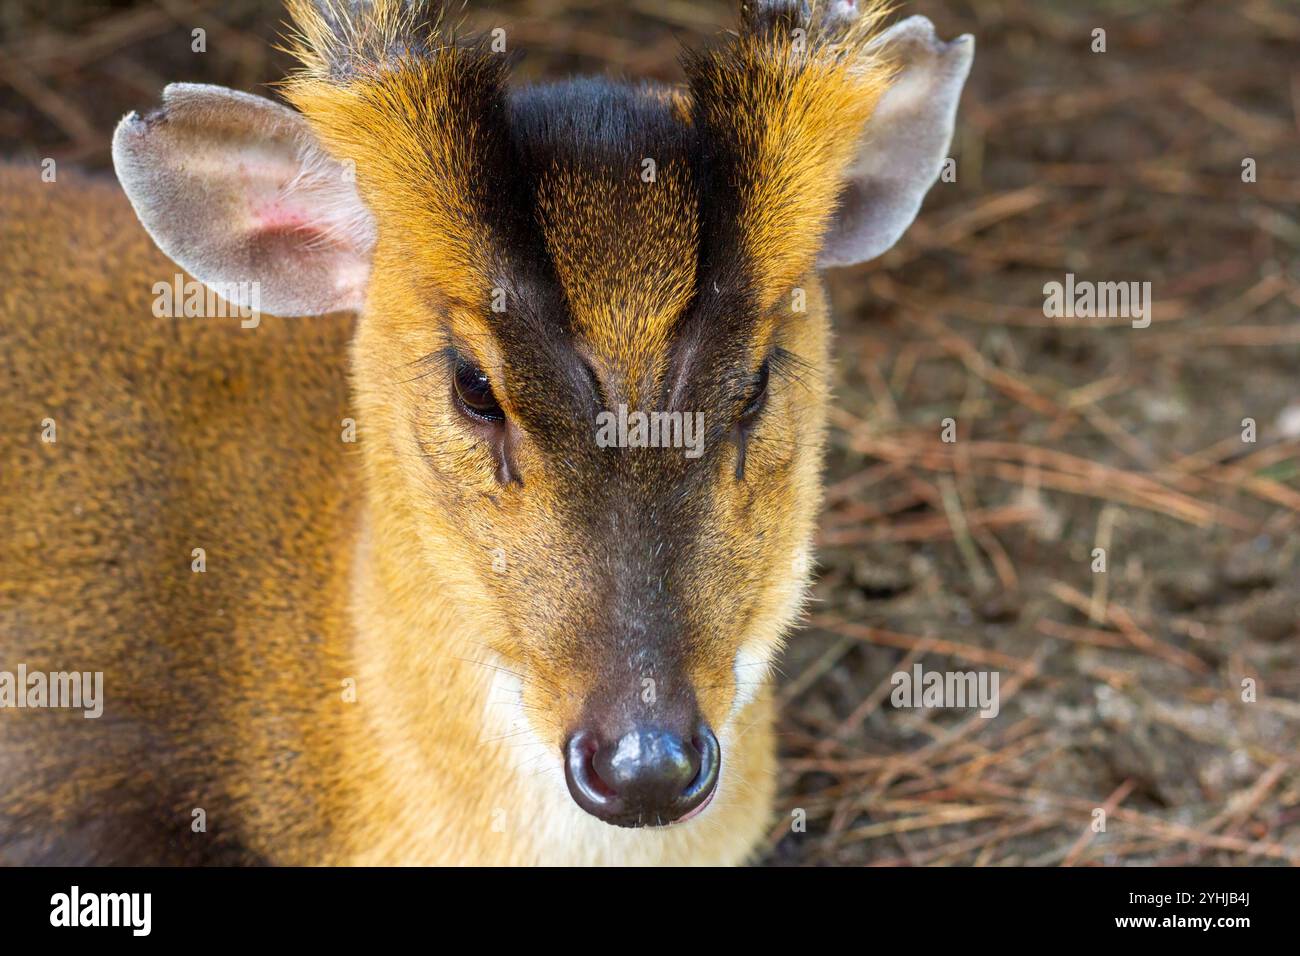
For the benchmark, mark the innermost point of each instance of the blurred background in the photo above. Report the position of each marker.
(1164, 690)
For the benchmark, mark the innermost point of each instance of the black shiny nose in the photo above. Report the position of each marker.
(649, 777)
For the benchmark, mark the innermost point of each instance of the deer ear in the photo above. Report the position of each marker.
(235, 189)
(904, 143)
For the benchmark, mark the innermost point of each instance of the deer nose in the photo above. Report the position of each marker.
(648, 777)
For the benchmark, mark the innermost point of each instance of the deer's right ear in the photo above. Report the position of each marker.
(235, 189)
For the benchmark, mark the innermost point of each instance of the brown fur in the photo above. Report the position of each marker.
(457, 601)
(173, 434)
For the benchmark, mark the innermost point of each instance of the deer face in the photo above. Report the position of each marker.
(592, 362)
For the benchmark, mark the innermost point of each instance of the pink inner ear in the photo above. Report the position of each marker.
(277, 216)
(290, 228)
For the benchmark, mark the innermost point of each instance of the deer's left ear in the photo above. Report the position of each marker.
(904, 144)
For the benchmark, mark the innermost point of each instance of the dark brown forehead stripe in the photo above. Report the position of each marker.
(618, 208)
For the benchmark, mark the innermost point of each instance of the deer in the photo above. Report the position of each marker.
(361, 582)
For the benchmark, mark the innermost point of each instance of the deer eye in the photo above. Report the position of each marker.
(757, 399)
(472, 392)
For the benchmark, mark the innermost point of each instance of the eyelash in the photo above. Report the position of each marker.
(758, 402)
(780, 364)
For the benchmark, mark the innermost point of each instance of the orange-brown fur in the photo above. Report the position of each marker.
(172, 434)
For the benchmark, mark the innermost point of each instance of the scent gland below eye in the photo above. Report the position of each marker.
(472, 393)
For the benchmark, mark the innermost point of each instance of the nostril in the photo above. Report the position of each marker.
(710, 764)
(585, 784)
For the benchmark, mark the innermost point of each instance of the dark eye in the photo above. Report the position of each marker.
(758, 398)
(473, 393)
